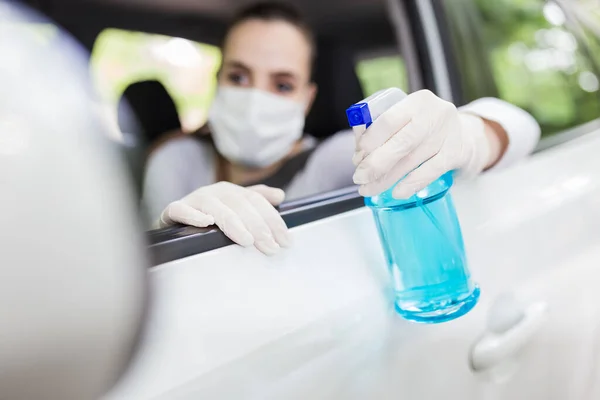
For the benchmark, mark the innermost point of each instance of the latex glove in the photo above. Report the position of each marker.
(245, 215)
(419, 138)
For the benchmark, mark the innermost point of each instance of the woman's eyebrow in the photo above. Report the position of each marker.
(237, 64)
(284, 74)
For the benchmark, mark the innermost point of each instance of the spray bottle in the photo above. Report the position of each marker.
(420, 236)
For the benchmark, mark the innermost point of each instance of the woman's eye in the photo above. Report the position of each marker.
(284, 87)
(237, 78)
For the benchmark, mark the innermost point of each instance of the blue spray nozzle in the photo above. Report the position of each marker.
(359, 114)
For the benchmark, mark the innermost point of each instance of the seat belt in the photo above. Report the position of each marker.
(287, 172)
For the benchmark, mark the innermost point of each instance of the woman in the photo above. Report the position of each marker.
(256, 128)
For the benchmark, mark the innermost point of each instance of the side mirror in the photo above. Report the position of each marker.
(72, 258)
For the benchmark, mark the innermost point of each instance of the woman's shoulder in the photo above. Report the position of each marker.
(180, 145)
(334, 155)
(337, 147)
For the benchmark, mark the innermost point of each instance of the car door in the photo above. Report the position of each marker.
(540, 336)
(316, 321)
(532, 54)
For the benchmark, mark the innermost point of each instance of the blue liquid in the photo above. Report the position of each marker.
(425, 254)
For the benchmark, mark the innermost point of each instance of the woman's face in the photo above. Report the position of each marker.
(272, 56)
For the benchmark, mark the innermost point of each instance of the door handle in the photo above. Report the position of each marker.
(510, 328)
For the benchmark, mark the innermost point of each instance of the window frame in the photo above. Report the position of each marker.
(180, 241)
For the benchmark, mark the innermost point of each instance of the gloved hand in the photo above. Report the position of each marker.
(245, 215)
(419, 138)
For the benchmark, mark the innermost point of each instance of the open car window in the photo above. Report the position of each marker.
(365, 39)
(376, 68)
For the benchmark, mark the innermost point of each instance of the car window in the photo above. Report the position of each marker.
(186, 68)
(381, 72)
(525, 52)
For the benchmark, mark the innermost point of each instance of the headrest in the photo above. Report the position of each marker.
(153, 107)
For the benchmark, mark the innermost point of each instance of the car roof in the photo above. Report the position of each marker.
(205, 20)
(313, 9)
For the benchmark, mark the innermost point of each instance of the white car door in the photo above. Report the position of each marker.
(551, 260)
(316, 321)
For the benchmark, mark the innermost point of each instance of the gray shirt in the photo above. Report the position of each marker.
(184, 164)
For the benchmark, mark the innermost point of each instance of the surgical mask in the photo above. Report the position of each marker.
(254, 128)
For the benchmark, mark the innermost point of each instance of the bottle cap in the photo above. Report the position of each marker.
(359, 114)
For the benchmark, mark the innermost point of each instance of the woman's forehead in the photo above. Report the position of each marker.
(270, 46)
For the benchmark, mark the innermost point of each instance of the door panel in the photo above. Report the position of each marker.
(316, 321)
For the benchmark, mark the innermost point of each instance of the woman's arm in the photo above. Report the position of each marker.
(511, 131)
(422, 137)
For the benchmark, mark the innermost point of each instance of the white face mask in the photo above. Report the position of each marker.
(254, 128)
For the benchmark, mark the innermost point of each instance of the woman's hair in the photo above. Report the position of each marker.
(275, 11)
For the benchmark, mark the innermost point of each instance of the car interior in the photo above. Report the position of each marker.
(346, 32)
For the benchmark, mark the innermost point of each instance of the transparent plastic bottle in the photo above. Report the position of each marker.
(421, 238)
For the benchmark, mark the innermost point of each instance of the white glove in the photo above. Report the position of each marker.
(420, 138)
(245, 215)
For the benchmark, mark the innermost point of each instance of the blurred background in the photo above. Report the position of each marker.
(188, 70)
(541, 55)
(535, 61)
